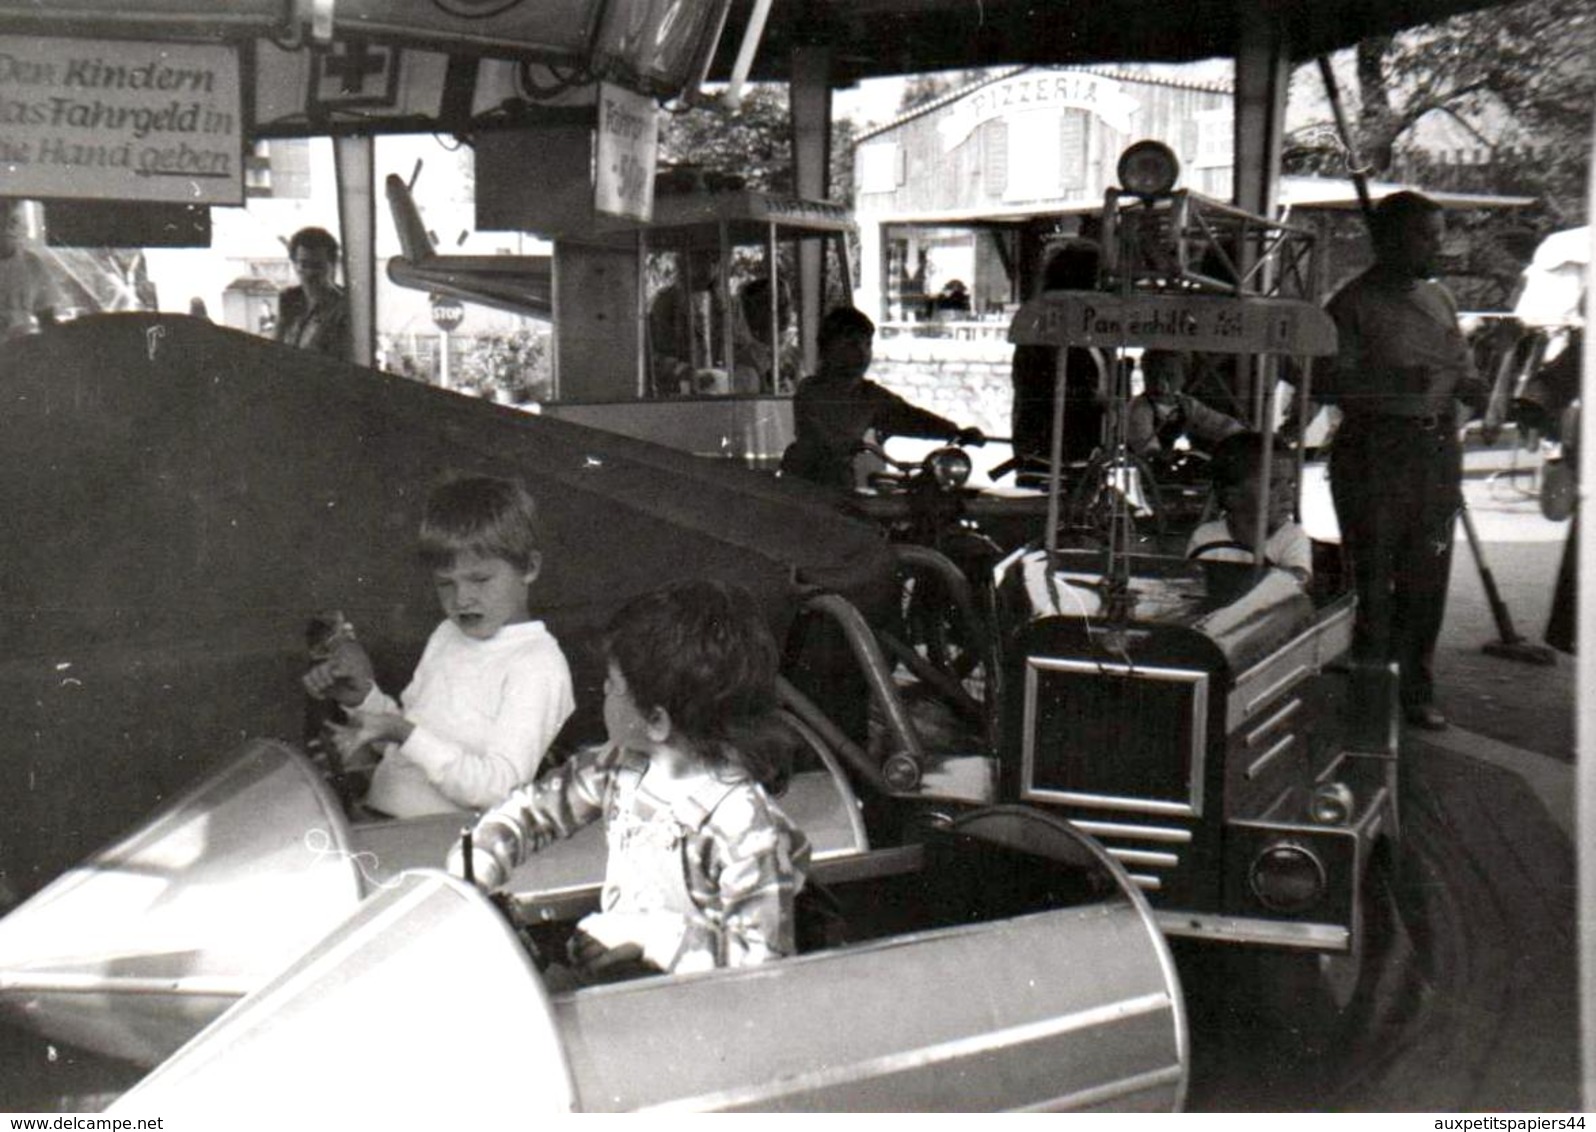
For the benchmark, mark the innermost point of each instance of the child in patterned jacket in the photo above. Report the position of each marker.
(703, 867)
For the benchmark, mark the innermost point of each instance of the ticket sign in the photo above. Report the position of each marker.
(627, 149)
(121, 120)
(1175, 321)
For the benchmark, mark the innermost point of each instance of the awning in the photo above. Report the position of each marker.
(1334, 193)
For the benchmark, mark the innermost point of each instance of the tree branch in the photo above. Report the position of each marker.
(1405, 121)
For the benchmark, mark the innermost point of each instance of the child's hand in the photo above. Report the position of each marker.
(599, 962)
(336, 740)
(366, 727)
(345, 739)
(345, 676)
(487, 871)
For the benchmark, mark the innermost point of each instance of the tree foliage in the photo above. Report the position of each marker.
(921, 89)
(512, 368)
(753, 146)
(753, 142)
(1516, 74)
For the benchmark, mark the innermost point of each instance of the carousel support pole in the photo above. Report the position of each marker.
(810, 101)
(1263, 77)
(357, 218)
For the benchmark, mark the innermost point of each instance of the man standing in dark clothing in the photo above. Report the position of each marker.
(834, 409)
(1396, 466)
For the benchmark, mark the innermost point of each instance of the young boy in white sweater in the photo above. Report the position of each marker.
(492, 688)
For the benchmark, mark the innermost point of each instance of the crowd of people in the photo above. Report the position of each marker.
(692, 753)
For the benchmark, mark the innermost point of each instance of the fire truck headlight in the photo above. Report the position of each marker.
(1287, 877)
(950, 466)
(1331, 804)
(1148, 169)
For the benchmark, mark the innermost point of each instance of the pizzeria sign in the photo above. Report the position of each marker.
(1038, 90)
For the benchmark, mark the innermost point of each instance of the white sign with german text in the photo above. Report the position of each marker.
(120, 120)
(628, 147)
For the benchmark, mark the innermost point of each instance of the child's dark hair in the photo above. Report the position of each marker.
(700, 649)
(483, 515)
(1238, 459)
(1159, 365)
(843, 322)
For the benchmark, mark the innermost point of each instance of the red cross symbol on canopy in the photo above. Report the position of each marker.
(352, 69)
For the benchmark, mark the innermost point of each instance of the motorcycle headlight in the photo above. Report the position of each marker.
(901, 771)
(1148, 169)
(1331, 804)
(1287, 878)
(950, 467)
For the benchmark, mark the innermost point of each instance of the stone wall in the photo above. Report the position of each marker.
(965, 381)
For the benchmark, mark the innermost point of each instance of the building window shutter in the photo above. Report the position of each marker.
(995, 157)
(1072, 151)
(880, 167)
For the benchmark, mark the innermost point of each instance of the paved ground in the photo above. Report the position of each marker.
(1475, 997)
(1471, 1003)
(1517, 703)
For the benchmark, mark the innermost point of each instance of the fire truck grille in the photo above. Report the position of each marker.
(1115, 737)
(1150, 854)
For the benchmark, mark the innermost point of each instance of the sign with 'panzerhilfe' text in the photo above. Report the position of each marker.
(120, 120)
(1210, 324)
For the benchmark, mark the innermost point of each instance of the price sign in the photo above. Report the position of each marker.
(628, 147)
(447, 313)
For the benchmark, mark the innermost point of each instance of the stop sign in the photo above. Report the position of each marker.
(447, 313)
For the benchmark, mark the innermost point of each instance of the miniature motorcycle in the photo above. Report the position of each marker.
(945, 631)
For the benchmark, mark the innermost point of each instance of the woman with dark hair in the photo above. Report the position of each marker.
(315, 315)
(1072, 267)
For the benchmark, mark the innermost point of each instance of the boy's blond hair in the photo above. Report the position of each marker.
(482, 515)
